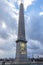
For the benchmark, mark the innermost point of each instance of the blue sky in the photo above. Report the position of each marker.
(9, 16)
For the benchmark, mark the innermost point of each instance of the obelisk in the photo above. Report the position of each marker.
(21, 43)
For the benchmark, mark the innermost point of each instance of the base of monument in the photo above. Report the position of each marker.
(19, 61)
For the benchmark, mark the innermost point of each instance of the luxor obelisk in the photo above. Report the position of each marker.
(21, 43)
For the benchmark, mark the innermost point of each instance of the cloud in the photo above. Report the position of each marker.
(35, 28)
(8, 54)
(34, 34)
(10, 8)
(34, 44)
(8, 47)
(33, 47)
(26, 3)
(8, 29)
(4, 35)
(4, 25)
(41, 13)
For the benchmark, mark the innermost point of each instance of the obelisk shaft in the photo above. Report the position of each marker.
(21, 25)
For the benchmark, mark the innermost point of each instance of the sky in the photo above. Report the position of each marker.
(9, 17)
